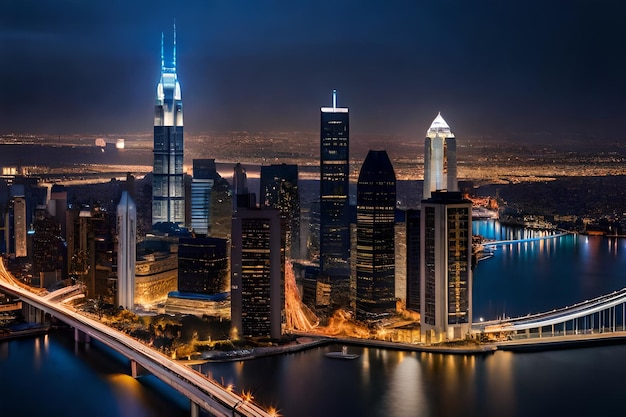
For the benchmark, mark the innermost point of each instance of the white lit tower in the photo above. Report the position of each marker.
(439, 158)
(168, 195)
(445, 243)
(126, 251)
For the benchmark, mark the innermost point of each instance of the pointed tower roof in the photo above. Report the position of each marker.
(439, 125)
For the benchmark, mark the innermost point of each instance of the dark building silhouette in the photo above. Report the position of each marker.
(375, 231)
(48, 249)
(242, 197)
(334, 209)
(413, 260)
(279, 189)
(202, 266)
(90, 249)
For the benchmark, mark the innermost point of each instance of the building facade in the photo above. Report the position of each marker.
(334, 203)
(375, 234)
(445, 268)
(126, 251)
(257, 273)
(279, 189)
(201, 186)
(412, 221)
(440, 172)
(202, 266)
(168, 193)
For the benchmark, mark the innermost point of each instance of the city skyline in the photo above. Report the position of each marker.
(490, 67)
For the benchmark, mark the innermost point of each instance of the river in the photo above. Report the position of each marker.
(50, 375)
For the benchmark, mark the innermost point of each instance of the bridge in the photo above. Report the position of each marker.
(530, 239)
(202, 392)
(600, 318)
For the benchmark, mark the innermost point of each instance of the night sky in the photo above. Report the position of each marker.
(491, 67)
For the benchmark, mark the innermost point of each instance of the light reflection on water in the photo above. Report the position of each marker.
(522, 278)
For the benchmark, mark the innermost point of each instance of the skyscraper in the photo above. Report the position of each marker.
(202, 266)
(445, 268)
(279, 189)
(257, 273)
(375, 234)
(242, 197)
(412, 221)
(439, 158)
(334, 204)
(168, 196)
(201, 185)
(126, 251)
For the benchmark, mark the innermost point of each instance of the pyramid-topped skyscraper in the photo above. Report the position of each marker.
(439, 158)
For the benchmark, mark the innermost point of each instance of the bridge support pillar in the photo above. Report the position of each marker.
(81, 337)
(133, 369)
(33, 314)
(195, 410)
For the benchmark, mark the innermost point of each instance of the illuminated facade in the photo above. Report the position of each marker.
(375, 235)
(20, 226)
(257, 273)
(126, 251)
(439, 158)
(334, 205)
(168, 196)
(201, 186)
(445, 267)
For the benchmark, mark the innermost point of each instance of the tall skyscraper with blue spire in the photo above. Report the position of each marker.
(168, 192)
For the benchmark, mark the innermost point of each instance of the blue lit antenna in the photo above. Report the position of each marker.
(174, 60)
(334, 99)
(162, 56)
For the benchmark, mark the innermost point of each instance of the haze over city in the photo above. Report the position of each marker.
(493, 68)
(399, 209)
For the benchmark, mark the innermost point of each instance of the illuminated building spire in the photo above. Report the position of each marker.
(174, 53)
(168, 198)
(162, 54)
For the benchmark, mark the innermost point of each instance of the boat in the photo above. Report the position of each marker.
(342, 355)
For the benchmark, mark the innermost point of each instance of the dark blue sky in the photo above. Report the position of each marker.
(491, 67)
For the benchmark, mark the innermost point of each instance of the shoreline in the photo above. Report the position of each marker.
(31, 331)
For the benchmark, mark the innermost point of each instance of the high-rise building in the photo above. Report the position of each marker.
(334, 204)
(48, 249)
(412, 221)
(445, 269)
(126, 251)
(257, 273)
(20, 226)
(439, 158)
(168, 195)
(375, 235)
(202, 266)
(242, 197)
(279, 189)
(90, 247)
(201, 186)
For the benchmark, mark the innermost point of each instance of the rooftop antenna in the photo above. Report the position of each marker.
(334, 99)
(162, 57)
(174, 61)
